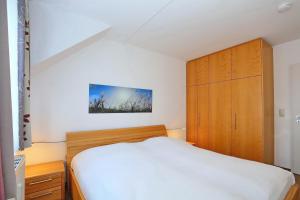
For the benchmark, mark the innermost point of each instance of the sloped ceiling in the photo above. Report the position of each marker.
(53, 31)
(183, 28)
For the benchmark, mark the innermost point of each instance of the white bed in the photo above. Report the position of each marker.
(162, 168)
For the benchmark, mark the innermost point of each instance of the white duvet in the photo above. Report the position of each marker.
(167, 169)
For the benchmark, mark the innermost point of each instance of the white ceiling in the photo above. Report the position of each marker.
(189, 28)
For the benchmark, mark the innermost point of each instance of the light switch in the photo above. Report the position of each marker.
(281, 112)
(298, 119)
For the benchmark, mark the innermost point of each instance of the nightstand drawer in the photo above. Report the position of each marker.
(41, 183)
(49, 194)
(45, 181)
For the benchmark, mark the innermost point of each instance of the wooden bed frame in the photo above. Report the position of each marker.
(79, 141)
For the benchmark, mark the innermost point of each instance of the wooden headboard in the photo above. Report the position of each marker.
(82, 140)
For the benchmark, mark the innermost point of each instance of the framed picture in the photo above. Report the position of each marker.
(113, 99)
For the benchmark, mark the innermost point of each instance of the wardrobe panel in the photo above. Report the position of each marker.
(220, 66)
(220, 117)
(202, 92)
(192, 129)
(197, 71)
(246, 59)
(247, 118)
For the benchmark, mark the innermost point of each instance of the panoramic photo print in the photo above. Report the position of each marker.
(113, 99)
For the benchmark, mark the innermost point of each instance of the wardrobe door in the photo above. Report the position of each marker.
(192, 122)
(247, 118)
(246, 59)
(202, 100)
(220, 66)
(197, 71)
(220, 117)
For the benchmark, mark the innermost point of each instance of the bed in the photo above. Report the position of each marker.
(141, 163)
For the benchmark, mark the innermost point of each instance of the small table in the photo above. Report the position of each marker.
(45, 181)
(192, 143)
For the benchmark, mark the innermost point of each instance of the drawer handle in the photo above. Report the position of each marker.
(43, 181)
(41, 195)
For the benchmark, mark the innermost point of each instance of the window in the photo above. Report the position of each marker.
(12, 16)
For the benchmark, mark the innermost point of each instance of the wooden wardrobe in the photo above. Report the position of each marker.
(230, 106)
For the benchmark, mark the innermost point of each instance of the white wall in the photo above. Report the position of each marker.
(295, 111)
(60, 93)
(6, 136)
(285, 55)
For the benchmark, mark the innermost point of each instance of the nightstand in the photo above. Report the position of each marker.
(192, 143)
(45, 181)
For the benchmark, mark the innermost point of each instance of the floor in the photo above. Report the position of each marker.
(298, 182)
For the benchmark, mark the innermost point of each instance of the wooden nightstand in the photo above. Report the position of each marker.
(45, 181)
(192, 143)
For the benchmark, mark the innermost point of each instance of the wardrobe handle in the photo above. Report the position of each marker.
(235, 120)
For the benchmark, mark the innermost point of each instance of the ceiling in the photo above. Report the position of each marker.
(187, 29)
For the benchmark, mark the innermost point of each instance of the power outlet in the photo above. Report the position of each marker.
(281, 112)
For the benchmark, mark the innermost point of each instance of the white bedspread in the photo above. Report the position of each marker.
(167, 169)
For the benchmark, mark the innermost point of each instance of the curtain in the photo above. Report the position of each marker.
(1, 179)
(24, 74)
